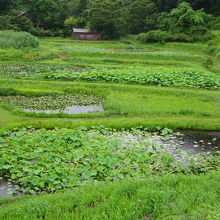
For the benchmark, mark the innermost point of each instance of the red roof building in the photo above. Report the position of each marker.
(85, 34)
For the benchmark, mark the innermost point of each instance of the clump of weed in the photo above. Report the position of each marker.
(17, 40)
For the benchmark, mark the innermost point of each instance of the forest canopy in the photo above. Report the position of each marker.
(110, 18)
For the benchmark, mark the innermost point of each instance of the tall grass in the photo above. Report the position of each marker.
(172, 197)
(214, 45)
(214, 53)
(17, 40)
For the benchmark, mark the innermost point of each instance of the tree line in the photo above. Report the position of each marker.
(110, 18)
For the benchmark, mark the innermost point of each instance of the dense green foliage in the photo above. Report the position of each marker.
(105, 17)
(137, 13)
(154, 36)
(111, 18)
(13, 39)
(184, 19)
(183, 79)
(181, 24)
(37, 160)
(211, 6)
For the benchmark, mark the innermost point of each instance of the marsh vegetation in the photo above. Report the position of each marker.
(150, 94)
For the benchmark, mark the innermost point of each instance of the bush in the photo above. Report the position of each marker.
(13, 39)
(5, 23)
(51, 33)
(180, 37)
(44, 33)
(154, 36)
(214, 48)
(163, 36)
(204, 37)
(184, 19)
(215, 23)
(141, 37)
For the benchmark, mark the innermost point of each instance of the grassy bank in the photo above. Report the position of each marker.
(168, 197)
(175, 108)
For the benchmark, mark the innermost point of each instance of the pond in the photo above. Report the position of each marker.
(6, 189)
(75, 109)
(201, 141)
(182, 146)
(68, 103)
(186, 143)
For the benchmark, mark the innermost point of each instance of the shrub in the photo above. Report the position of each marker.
(154, 36)
(204, 37)
(141, 37)
(163, 36)
(5, 23)
(208, 63)
(185, 24)
(180, 37)
(184, 19)
(215, 23)
(45, 33)
(14, 39)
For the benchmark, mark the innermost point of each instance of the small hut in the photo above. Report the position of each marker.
(85, 34)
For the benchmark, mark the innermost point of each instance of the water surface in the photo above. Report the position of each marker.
(190, 143)
(6, 189)
(76, 109)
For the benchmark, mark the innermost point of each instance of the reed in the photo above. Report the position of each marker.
(17, 40)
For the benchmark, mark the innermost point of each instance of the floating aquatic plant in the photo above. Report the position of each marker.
(48, 160)
(56, 102)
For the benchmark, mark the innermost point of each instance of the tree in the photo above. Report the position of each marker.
(105, 17)
(184, 19)
(165, 5)
(6, 5)
(210, 6)
(137, 14)
(45, 13)
(77, 8)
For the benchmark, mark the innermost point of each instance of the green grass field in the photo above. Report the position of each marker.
(171, 85)
(138, 102)
(168, 197)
